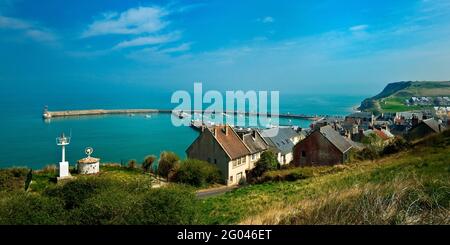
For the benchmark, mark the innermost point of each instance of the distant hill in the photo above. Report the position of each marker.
(394, 94)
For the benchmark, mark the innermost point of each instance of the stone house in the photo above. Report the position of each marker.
(223, 147)
(323, 146)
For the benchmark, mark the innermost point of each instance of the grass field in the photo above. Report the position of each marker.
(408, 188)
(397, 104)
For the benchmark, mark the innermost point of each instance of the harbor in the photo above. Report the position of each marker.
(95, 112)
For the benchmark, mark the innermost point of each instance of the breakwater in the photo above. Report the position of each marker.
(95, 112)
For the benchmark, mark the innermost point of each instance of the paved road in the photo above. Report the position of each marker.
(215, 191)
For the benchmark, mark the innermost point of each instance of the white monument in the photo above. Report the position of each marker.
(89, 165)
(63, 165)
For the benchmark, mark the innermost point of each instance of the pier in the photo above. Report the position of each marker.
(74, 113)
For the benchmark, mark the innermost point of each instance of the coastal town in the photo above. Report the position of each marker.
(328, 140)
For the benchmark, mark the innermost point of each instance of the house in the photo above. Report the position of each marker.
(398, 129)
(329, 120)
(441, 112)
(281, 140)
(255, 143)
(222, 146)
(365, 119)
(375, 136)
(425, 128)
(323, 146)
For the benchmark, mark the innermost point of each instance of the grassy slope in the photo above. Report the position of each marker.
(391, 99)
(410, 187)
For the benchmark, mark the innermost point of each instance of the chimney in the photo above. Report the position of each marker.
(415, 120)
(216, 130)
(226, 130)
(254, 134)
(361, 133)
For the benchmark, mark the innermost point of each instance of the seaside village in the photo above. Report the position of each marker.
(328, 141)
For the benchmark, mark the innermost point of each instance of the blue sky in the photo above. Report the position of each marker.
(341, 46)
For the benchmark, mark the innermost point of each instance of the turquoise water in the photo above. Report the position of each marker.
(27, 140)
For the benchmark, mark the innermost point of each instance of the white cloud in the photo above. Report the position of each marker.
(267, 19)
(142, 20)
(358, 28)
(180, 48)
(31, 30)
(13, 23)
(149, 40)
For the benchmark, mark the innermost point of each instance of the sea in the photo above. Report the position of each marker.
(29, 141)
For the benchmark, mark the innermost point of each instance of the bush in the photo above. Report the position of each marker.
(147, 164)
(50, 170)
(22, 208)
(132, 164)
(399, 144)
(112, 206)
(267, 162)
(75, 192)
(368, 153)
(167, 162)
(197, 173)
(170, 206)
(13, 179)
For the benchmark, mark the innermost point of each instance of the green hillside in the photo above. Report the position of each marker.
(392, 98)
(411, 187)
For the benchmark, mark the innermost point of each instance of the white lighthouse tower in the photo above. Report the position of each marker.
(63, 165)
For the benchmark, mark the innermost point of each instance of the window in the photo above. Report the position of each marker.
(303, 154)
(215, 161)
(231, 178)
(253, 156)
(209, 159)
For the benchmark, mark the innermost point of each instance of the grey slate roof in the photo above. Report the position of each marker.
(280, 140)
(361, 114)
(335, 138)
(434, 125)
(255, 144)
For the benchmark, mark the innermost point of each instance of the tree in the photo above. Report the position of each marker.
(132, 164)
(167, 162)
(196, 172)
(268, 161)
(147, 163)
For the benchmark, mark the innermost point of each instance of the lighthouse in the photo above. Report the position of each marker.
(63, 141)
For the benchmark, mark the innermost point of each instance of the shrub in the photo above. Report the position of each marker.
(368, 153)
(170, 206)
(132, 164)
(148, 161)
(195, 172)
(75, 192)
(13, 179)
(167, 163)
(267, 162)
(399, 144)
(49, 169)
(22, 208)
(112, 206)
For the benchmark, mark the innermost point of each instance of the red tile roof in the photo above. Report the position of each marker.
(230, 142)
